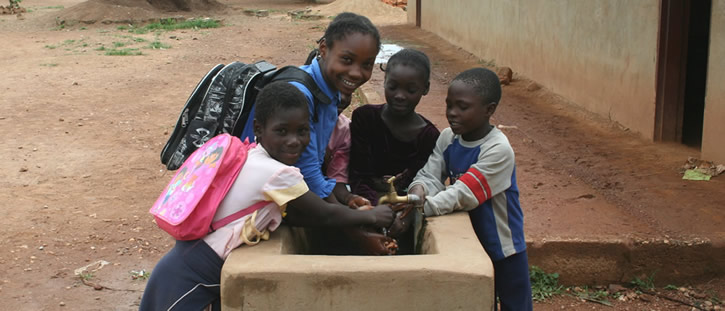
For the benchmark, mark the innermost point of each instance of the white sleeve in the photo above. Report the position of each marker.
(433, 173)
(489, 176)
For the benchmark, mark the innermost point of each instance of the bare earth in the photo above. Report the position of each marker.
(82, 132)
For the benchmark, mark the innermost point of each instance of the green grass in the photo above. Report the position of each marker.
(172, 24)
(140, 275)
(544, 285)
(123, 52)
(118, 44)
(487, 63)
(55, 7)
(647, 283)
(50, 47)
(158, 45)
(86, 276)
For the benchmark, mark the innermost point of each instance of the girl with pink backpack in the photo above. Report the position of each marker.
(188, 276)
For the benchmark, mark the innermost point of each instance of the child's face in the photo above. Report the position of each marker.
(404, 86)
(466, 111)
(349, 63)
(285, 135)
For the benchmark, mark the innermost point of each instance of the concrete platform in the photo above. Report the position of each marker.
(452, 273)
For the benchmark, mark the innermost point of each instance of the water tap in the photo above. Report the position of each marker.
(392, 196)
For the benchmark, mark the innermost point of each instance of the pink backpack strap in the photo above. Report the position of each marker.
(226, 220)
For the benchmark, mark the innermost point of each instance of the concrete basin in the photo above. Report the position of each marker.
(452, 272)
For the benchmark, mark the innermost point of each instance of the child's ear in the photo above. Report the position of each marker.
(491, 108)
(323, 48)
(257, 129)
(427, 88)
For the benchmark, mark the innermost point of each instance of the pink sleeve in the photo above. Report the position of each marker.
(339, 146)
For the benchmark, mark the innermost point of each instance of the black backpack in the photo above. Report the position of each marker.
(222, 103)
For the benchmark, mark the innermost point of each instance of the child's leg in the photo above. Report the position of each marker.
(513, 287)
(186, 278)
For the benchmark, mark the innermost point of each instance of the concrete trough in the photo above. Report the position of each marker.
(452, 272)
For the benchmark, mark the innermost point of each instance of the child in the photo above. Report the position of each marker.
(345, 61)
(188, 276)
(479, 161)
(392, 139)
(337, 157)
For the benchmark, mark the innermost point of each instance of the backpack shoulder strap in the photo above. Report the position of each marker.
(239, 214)
(292, 73)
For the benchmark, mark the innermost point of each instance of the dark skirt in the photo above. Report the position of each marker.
(186, 278)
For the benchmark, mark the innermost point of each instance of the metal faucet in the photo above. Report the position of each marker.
(392, 196)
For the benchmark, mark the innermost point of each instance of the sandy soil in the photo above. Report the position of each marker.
(82, 132)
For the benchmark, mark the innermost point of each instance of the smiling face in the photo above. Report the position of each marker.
(467, 113)
(285, 134)
(404, 86)
(348, 63)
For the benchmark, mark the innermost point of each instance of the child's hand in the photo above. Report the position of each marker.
(383, 216)
(374, 243)
(356, 202)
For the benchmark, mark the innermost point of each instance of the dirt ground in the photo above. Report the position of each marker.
(83, 130)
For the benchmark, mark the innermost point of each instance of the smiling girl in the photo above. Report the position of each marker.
(188, 276)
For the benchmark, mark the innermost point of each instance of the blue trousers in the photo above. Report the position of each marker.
(186, 278)
(512, 283)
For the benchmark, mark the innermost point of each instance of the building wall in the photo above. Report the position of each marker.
(600, 54)
(713, 143)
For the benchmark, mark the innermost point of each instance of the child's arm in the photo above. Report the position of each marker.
(309, 162)
(310, 210)
(489, 176)
(429, 179)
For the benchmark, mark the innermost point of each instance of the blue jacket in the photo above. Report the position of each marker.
(310, 162)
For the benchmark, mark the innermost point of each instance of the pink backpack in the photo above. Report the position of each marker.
(186, 207)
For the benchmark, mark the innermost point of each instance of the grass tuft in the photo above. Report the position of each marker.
(544, 285)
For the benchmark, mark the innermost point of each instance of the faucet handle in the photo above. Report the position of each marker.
(391, 182)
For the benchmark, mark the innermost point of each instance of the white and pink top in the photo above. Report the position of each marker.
(262, 178)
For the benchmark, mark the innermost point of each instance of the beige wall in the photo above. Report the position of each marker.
(713, 143)
(600, 54)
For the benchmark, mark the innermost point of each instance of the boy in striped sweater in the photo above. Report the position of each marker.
(478, 160)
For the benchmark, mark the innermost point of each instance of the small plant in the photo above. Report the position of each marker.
(86, 276)
(101, 48)
(158, 45)
(544, 285)
(69, 41)
(49, 65)
(140, 274)
(594, 295)
(487, 63)
(123, 52)
(643, 284)
(15, 4)
(50, 47)
(118, 44)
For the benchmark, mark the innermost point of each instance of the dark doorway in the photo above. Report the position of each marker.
(682, 70)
